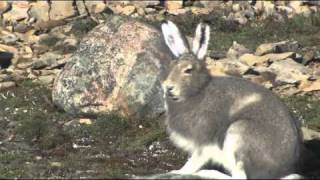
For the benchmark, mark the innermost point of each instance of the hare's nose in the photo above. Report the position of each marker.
(169, 88)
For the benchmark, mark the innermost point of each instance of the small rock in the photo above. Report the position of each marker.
(289, 71)
(281, 56)
(40, 10)
(38, 158)
(208, 4)
(308, 57)
(198, 10)
(309, 134)
(55, 164)
(24, 65)
(45, 60)
(308, 86)
(8, 37)
(27, 53)
(238, 18)
(283, 46)
(236, 7)
(70, 123)
(178, 11)
(288, 11)
(18, 75)
(150, 10)
(81, 7)
(124, 10)
(141, 11)
(29, 37)
(61, 9)
(298, 8)
(12, 124)
(61, 62)
(19, 11)
(95, 7)
(4, 6)
(5, 77)
(173, 5)
(217, 54)
(261, 80)
(226, 67)
(269, 9)
(46, 79)
(21, 27)
(70, 44)
(145, 3)
(253, 60)
(236, 50)
(45, 72)
(6, 85)
(85, 121)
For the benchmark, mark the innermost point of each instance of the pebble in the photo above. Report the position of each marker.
(6, 85)
(56, 164)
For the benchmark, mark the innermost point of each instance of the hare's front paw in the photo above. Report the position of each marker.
(181, 172)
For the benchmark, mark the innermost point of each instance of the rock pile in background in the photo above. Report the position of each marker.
(276, 66)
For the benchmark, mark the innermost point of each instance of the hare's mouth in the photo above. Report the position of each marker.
(175, 98)
(172, 96)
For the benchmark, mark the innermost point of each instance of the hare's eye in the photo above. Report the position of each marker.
(188, 71)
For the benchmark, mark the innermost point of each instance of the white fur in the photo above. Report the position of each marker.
(212, 174)
(200, 155)
(182, 142)
(173, 39)
(200, 50)
(196, 40)
(244, 102)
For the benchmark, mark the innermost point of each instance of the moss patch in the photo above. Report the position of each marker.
(306, 108)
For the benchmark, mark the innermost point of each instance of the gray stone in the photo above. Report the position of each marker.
(227, 67)
(6, 85)
(40, 10)
(279, 47)
(236, 50)
(61, 10)
(45, 60)
(289, 71)
(117, 68)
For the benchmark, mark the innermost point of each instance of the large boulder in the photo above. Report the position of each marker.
(117, 68)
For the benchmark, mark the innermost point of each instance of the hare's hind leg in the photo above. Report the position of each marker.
(232, 143)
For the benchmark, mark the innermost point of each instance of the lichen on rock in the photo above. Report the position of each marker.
(116, 68)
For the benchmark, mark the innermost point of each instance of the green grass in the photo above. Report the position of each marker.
(303, 29)
(306, 108)
(11, 164)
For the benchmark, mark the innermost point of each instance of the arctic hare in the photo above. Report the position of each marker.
(227, 121)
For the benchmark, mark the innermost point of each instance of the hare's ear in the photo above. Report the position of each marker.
(201, 40)
(173, 38)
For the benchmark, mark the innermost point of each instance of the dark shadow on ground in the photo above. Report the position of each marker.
(311, 162)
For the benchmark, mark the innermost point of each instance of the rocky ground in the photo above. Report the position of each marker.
(280, 51)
